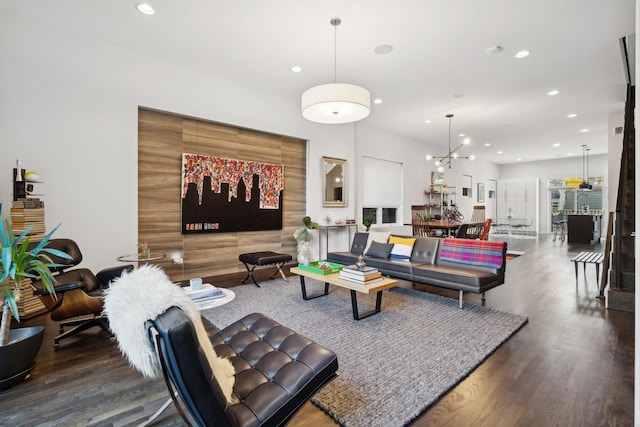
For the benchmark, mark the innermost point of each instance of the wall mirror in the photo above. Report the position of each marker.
(335, 182)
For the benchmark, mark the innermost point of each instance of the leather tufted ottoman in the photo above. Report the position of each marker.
(263, 258)
(273, 364)
(276, 370)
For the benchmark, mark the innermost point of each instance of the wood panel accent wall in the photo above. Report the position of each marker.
(162, 138)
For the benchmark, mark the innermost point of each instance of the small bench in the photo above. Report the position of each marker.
(588, 258)
(261, 259)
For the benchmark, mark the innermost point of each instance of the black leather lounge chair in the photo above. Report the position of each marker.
(276, 370)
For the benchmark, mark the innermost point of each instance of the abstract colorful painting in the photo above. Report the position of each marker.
(223, 195)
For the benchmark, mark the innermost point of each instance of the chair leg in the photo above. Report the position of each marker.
(81, 325)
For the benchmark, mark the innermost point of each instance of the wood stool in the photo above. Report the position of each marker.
(588, 258)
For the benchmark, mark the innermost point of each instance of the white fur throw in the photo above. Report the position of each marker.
(142, 295)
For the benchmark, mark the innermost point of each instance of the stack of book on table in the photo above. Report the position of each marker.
(365, 275)
(208, 291)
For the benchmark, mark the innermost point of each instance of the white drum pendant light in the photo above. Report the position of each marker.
(335, 103)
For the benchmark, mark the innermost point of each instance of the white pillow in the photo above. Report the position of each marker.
(378, 236)
(143, 294)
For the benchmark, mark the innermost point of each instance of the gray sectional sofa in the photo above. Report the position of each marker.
(459, 264)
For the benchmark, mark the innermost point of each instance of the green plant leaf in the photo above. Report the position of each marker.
(24, 234)
(44, 241)
(56, 252)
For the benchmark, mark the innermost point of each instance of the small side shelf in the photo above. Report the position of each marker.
(27, 211)
(23, 189)
(439, 197)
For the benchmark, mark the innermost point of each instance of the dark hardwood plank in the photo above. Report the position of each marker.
(571, 365)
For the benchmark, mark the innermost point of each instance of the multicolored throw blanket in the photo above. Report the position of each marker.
(473, 252)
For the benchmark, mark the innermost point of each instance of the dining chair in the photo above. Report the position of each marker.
(462, 231)
(484, 235)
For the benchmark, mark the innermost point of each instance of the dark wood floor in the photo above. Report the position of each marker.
(571, 365)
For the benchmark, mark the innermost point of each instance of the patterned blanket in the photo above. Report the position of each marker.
(481, 253)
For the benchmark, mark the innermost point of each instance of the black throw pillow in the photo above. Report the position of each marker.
(379, 250)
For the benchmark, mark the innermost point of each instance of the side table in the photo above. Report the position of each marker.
(206, 303)
(138, 259)
(327, 227)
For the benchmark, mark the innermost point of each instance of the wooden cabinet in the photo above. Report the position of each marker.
(584, 228)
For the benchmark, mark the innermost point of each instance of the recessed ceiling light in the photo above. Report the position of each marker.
(500, 151)
(522, 54)
(571, 116)
(296, 69)
(494, 50)
(462, 134)
(557, 144)
(383, 49)
(569, 154)
(377, 101)
(553, 92)
(145, 8)
(518, 159)
(584, 130)
(487, 144)
(427, 121)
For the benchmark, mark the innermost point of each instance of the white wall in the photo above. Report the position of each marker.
(560, 168)
(68, 109)
(374, 142)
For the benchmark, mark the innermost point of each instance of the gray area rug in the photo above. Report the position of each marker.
(393, 365)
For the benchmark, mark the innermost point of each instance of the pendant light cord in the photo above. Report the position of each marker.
(449, 136)
(335, 22)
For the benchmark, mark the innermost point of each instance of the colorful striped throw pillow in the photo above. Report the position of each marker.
(402, 248)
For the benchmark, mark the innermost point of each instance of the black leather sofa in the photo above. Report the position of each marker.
(427, 266)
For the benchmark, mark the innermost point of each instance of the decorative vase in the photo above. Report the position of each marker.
(304, 252)
(17, 359)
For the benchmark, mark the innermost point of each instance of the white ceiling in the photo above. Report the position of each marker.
(439, 54)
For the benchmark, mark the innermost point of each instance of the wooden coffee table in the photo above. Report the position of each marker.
(332, 279)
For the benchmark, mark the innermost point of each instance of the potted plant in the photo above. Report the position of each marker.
(21, 261)
(303, 238)
(367, 223)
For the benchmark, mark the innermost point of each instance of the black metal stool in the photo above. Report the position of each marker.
(264, 258)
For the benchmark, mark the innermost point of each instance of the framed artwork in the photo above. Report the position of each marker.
(480, 192)
(225, 195)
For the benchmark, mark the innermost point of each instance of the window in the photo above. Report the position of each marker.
(370, 213)
(467, 184)
(382, 191)
(389, 215)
